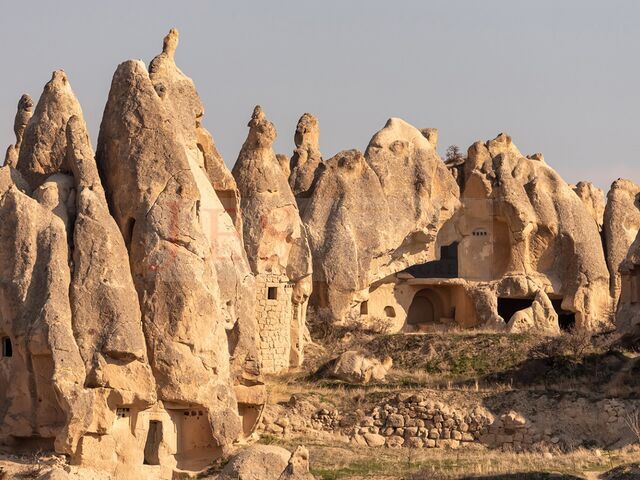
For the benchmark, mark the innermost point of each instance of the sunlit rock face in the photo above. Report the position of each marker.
(373, 215)
(276, 244)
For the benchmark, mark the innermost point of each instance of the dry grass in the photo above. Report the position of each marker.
(347, 462)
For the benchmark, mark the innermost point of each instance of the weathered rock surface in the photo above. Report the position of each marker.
(43, 148)
(41, 392)
(353, 367)
(268, 462)
(306, 159)
(23, 115)
(540, 317)
(276, 243)
(155, 196)
(593, 198)
(373, 215)
(104, 303)
(628, 314)
(218, 209)
(621, 226)
(539, 234)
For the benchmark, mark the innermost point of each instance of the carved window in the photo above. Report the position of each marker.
(480, 232)
(390, 311)
(272, 293)
(364, 308)
(7, 347)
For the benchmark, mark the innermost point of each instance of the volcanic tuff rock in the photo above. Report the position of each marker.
(543, 232)
(306, 158)
(621, 226)
(268, 462)
(23, 115)
(628, 315)
(156, 197)
(593, 198)
(274, 236)
(354, 367)
(37, 314)
(218, 209)
(275, 241)
(373, 215)
(44, 145)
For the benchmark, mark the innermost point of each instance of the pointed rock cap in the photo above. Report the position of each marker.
(307, 131)
(262, 132)
(43, 149)
(170, 43)
(24, 113)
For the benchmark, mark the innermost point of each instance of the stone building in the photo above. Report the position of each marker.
(276, 244)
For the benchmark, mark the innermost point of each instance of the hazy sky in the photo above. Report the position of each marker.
(560, 76)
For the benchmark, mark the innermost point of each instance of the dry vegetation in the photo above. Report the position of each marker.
(461, 366)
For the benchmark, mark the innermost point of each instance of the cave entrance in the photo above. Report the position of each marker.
(566, 318)
(152, 445)
(508, 306)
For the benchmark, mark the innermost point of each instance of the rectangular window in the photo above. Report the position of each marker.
(272, 293)
(364, 308)
(7, 348)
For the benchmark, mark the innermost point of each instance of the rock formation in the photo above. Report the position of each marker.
(23, 115)
(354, 367)
(621, 226)
(219, 214)
(306, 158)
(43, 148)
(268, 462)
(276, 244)
(593, 198)
(523, 225)
(374, 215)
(118, 328)
(628, 315)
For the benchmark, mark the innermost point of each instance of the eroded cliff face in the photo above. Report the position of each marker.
(306, 160)
(628, 314)
(539, 234)
(219, 212)
(126, 306)
(372, 215)
(276, 243)
(621, 226)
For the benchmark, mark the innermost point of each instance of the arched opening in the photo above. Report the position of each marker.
(426, 309)
(152, 445)
(364, 308)
(7, 347)
(566, 318)
(508, 306)
(390, 312)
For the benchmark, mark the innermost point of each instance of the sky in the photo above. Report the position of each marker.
(560, 76)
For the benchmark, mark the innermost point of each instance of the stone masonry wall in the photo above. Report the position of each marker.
(274, 321)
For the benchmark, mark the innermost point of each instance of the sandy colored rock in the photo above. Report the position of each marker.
(108, 331)
(593, 198)
(276, 244)
(621, 226)
(154, 191)
(268, 462)
(37, 319)
(23, 115)
(374, 215)
(540, 317)
(306, 159)
(43, 148)
(218, 210)
(522, 226)
(628, 314)
(353, 367)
